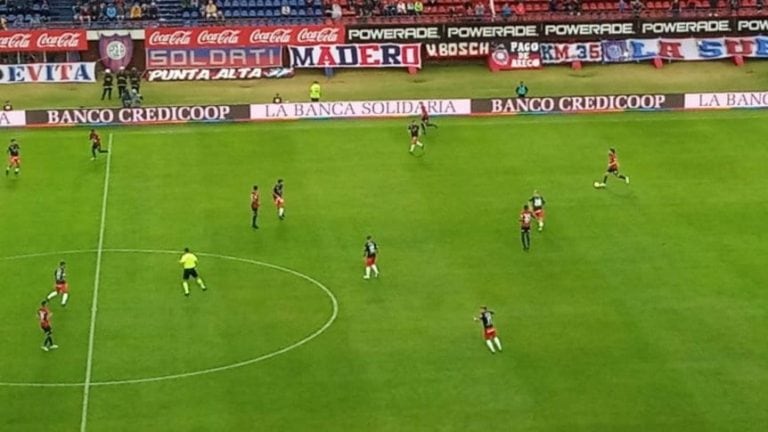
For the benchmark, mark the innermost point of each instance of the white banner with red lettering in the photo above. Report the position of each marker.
(48, 73)
(247, 36)
(356, 56)
(43, 40)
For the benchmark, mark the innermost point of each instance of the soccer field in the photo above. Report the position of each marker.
(640, 307)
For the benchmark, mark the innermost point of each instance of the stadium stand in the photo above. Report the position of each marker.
(130, 14)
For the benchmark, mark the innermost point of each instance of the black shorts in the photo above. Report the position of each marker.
(190, 273)
(613, 170)
(525, 229)
(314, 99)
(46, 330)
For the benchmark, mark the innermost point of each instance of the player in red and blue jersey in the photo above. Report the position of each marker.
(95, 140)
(489, 331)
(425, 118)
(14, 157)
(613, 169)
(44, 316)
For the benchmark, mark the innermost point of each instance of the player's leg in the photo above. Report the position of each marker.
(281, 210)
(254, 218)
(64, 298)
(200, 282)
(185, 282)
(367, 274)
(17, 167)
(93, 152)
(490, 346)
(52, 294)
(375, 270)
(497, 341)
(424, 126)
(413, 144)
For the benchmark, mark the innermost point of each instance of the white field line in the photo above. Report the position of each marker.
(95, 302)
(297, 344)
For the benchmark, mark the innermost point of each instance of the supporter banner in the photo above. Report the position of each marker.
(48, 73)
(395, 108)
(246, 36)
(356, 56)
(115, 51)
(178, 58)
(457, 50)
(12, 118)
(394, 33)
(166, 114)
(575, 104)
(214, 74)
(693, 49)
(554, 53)
(515, 55)
(43, 40)
(726, 100)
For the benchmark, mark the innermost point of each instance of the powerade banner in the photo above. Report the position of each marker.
(217, 74)
(356, 56)
(243, 36)
(577, 104)
(431, 35)
(148, 115)
(48, 73)
(179, 58)
(364, 109)
(43, 40)
(554, 53)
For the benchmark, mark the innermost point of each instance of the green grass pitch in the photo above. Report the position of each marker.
(640, 307)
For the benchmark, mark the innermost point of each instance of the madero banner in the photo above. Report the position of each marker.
(43, 40)
(48, 73)
(148, 115)
(356, 56)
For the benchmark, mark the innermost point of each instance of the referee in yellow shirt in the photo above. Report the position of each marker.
(189, 262)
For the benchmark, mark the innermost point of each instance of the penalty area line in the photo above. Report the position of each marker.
(95, 301)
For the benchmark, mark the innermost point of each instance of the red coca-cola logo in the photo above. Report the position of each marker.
(323, 35)
(15, 41)
(178, 37)
(63, 40)
(223, 37)
(276, 36)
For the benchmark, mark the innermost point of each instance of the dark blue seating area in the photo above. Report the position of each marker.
(240, 9)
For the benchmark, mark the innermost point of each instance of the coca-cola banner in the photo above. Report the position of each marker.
(356, 56)
(148, 115)
(222, 37)
(48, 73)
(361, 109)
(208, 57)
(43, 40)
(577, 104)
(214, 74)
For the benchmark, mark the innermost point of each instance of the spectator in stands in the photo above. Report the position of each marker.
(479, 9)
(675, 7)
(712, 7)
(553, 5)
(136, 11)
(418, 7)
(3, 23)
(734, 5)
(506, 11)
(409, 8)
(336, 12)
(285, 10)
(7, 106)
(220, 16)
(211, 10)
(622, 6)
(760, 4)
(520, 9)
(576, 7)
(401, 7)
(637, 7)
(110, 12)
(154, 10)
